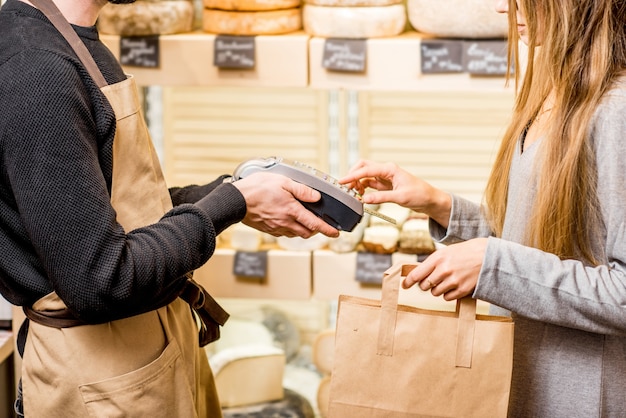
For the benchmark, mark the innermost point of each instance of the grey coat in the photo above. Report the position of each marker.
(570, 319)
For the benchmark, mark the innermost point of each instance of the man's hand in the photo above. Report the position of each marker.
(273, 206)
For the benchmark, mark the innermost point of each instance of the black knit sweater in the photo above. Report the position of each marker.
(58, 226)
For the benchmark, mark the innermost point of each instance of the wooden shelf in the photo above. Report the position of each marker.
(288, 276)
(6, 345)
(394, 64)
(187, 60)
(295, 60)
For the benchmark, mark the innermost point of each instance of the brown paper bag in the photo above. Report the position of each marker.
(396, 361)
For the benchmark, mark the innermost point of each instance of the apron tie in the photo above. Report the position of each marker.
(202, 304)
(210, 313)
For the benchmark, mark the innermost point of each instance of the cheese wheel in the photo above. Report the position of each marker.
(457, 18)
(354, 22)
(144, 18)
(251, 5)
(251, 23)
(353, 3)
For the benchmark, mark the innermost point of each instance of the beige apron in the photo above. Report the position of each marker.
(149, 365)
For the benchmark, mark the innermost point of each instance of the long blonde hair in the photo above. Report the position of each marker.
(582, 52)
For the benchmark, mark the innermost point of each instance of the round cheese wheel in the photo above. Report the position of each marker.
(353, 3)
(251, 5)
(251, 23)
(354, 22)
(457, 18)
(144, 18)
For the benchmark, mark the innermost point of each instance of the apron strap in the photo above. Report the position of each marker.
(48, 8)
(210, 313)
(62, 318)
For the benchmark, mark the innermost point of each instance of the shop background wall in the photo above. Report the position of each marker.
(209, 131)
(447, 138)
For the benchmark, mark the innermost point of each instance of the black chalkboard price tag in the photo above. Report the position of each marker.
(370, 267)
(140, 51)
(441, 56)
(237, 52)
(485, 57)
(250, 264)
(347, 55)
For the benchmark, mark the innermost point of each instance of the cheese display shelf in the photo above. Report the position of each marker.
(320, 275)
(394, 64)
(288, 276)
(187, 60)
(295, 60)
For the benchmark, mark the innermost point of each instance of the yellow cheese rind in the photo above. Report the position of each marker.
(144, 18)
(251, 23)
(354, 22)
(251, 5)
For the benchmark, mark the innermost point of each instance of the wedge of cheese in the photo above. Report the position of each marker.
(251, 5)
(251, 23)
(354, 22)
(248, 374)
(144, 18)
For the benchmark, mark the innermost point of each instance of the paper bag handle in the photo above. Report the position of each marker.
(465, 308)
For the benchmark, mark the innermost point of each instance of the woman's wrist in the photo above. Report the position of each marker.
(440, 207)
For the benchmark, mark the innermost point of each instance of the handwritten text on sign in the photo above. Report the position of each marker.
(250, 264)
(347, 55)
(370, 267)
(140, 51)
(234, 52)
(442, 56)
(485, 57)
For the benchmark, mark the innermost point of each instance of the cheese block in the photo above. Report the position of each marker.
(248, 374)
(457, 18)
(354, 22)
(245, 238)
(144, 18)
(251, 23)
(415, 237)
(353, 3)
(393, 211)
(316, 242)
(251, 5)
(381, 239)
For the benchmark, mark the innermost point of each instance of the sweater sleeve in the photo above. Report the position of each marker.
(61, 231)
(466, 222)
(568, 293)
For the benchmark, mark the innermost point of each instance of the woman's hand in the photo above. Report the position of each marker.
(273, 206)
(451, 271)
(393, 184)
